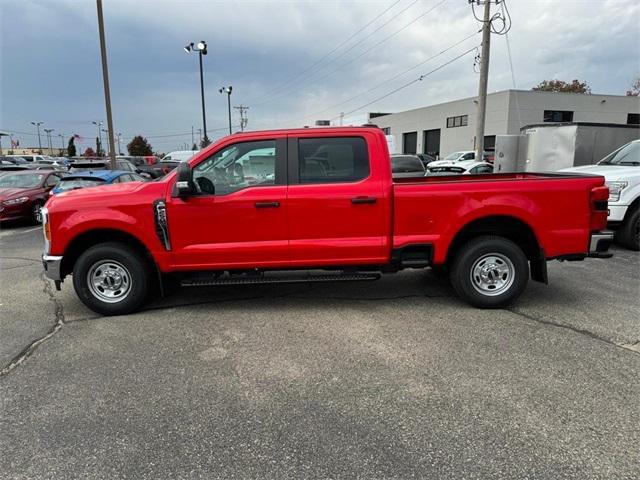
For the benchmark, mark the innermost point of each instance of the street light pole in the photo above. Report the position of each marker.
(99, 125)
(105, 79)
(201, 48)
(37, 124)
(228, 91)
(106, 134)
(61, 143)
(48, 132)
(119, 149)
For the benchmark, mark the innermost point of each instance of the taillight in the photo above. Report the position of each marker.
(599, 207)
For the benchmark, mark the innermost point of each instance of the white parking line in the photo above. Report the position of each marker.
(9, 233)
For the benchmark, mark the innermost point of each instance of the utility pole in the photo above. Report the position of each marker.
(192, 138)
(243, 119)
(105, 79)
(48, 132)
(199, 136)
(341, 118)
(484, 77)
(37, 125)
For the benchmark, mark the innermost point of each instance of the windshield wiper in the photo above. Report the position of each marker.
(629, 163)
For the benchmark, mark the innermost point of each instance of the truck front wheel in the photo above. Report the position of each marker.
(490, 272)
(111, 279)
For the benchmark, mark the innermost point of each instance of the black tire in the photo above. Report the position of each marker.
(489, 272)
(629, 233)
(36, 214)
(119, 262)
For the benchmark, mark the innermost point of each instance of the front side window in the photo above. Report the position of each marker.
(332, 160)
(52, 181)
(238, 166)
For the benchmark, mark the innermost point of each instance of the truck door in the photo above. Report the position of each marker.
(338, 210)
(239, 219)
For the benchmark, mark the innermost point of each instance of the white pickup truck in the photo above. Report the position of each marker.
(621, 170)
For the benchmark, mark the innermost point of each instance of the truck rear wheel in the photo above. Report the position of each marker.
(629, 233)
(490, 272)
(111, 279)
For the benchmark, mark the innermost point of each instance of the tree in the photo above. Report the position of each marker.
(89, 152)
(576, 86)
(99, 151)
(205, 142)
(71, 148)
(139, 147)
(635, 88)
(194, 147)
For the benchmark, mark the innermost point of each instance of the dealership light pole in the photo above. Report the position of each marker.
(106, 134)
(228, 91)
(48, 132)
(105, 80)
(99, 126)
(37, 125)
(61, 143)
(119, 149)
(201, 48)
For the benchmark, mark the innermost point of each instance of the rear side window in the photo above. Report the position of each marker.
(332, 160)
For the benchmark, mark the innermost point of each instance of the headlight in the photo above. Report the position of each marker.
(16, 201)
(615, 188)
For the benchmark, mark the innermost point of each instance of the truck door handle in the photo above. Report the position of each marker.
(363, 200)
(267, 204)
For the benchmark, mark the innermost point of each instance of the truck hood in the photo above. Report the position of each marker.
(609, 172)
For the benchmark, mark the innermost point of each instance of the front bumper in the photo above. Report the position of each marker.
(53, 267)
(599, 244)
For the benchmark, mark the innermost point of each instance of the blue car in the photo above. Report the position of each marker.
(84, 179)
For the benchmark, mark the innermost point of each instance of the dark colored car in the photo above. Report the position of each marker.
(404, 166)
(425, 158)
(24, 193)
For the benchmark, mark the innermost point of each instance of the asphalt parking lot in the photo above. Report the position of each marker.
(391, 379)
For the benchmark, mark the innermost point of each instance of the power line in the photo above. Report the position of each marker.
(361, 54)
(390, 79)
(344, 42)
(419, 79)
(271, 97)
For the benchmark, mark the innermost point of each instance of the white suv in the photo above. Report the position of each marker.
(621, 170)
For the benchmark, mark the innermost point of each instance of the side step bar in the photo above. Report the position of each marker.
(259, 279)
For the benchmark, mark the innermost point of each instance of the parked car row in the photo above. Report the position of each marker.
(405, 166)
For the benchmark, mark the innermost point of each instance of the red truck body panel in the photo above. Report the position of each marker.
(318, 225)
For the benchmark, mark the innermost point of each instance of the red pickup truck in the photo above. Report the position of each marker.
(317, 205)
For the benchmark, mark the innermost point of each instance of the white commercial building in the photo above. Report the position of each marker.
(448, 127)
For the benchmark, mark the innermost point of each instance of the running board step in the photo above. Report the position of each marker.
(257, 279)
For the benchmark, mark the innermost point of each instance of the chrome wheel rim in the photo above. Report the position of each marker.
(492, 274)
(109, 281)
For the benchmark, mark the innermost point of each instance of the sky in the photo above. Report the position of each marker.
(291, 62)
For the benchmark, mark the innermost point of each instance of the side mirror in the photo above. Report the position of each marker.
(185, 185)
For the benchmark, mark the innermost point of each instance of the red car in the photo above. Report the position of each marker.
(278, 206)
(23, 193)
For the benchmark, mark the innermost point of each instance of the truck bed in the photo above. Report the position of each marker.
(556, 206)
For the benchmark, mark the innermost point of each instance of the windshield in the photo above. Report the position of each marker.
(29, 180)
(72, 183)
(453, 156)
(629, 154)
(406, 164)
